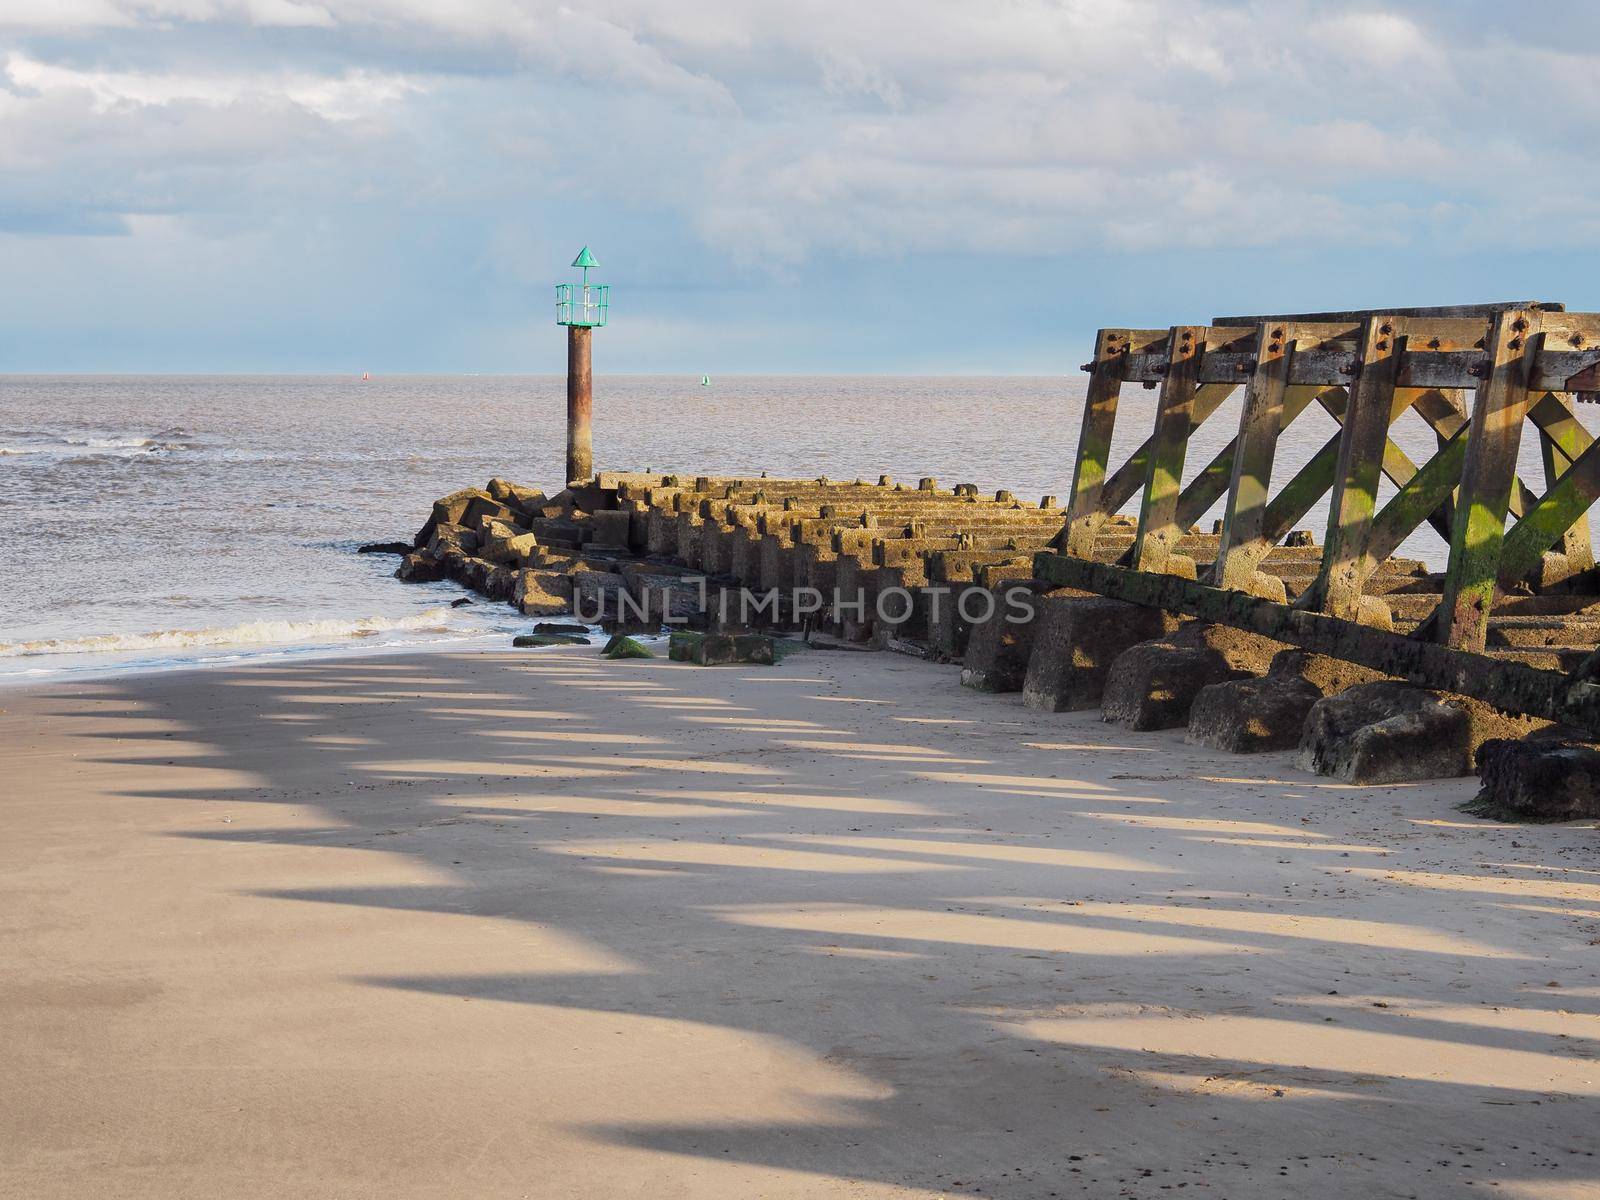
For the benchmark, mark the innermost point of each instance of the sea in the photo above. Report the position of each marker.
(153, 523)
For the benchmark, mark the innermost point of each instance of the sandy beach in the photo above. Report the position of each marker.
(493, 925)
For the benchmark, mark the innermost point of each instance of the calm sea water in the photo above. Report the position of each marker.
(162, 521)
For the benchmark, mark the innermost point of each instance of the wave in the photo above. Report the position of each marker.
(83, 447)
(251, 633)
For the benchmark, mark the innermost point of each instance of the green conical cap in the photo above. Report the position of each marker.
(584, 259)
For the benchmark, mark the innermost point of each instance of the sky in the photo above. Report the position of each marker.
(812, 186)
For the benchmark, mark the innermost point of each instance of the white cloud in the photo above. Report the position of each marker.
(820, 127)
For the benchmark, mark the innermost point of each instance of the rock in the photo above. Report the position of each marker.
(1078, 636)
(1387, 732)
(460, 602)
(1538, 779)
(623, 646)
(385, 548)
(998, 647)
(449, 510)
(1249, 716)
(561, 627)
(526, 640)
(542, 593)
(420, 567)
(597, 595)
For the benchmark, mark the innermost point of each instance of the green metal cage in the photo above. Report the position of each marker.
(583, 303)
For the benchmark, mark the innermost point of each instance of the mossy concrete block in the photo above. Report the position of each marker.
(623, 646)
(525, 641)
(1078, 637)
(597, 595)
(1328, 675)
(720, 649)
(998, 647)
(1250, 716)
(542, 593)
(420, 567)
(1538, 779)
(681, 645)
(1387, 732)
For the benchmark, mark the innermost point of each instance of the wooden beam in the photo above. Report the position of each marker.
(1346, 558)
(1561, 441)
(1487, 477)
(1084, 510)
(1130, 476)
(1426, 494)
(1158, 531)
(1357, 315)
(1565, 503)
(1263, 419)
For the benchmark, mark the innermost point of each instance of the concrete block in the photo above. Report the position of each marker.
(542, 593)
(998, 648)
(610, 527)
(1387, 732)
(1249, 716)
(1538, 779)
(596, 595)
(1079, 636)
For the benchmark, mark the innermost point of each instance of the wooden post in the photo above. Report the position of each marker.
(1478, 534)
(580, 405)
(1561, 440)
(1362, 443)
(1259, 425)
(1084, 512)
(1159, 532)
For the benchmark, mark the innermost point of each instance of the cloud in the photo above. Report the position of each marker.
(775, 142)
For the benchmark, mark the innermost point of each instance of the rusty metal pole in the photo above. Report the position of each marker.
(580, 405)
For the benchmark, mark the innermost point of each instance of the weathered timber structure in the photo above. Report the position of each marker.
(1512, 621)
(1253, 634)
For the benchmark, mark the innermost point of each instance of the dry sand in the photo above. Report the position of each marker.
(550, 926)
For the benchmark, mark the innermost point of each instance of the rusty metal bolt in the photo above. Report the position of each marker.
(1162, 368)
(1245, 368)
(1478, 370)
(1278, 333)
(1576, 339)
(1386, 329)
(1383, 343)
(1519, 324)
(1434, 343)
(1352, 367)
(1274, 347)
(1515, 343)
(1086, 367)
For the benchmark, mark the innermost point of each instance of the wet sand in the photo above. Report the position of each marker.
(550, 926)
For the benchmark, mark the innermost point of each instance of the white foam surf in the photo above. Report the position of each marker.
(250, 633)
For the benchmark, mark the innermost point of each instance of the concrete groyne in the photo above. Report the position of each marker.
(954, 575)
